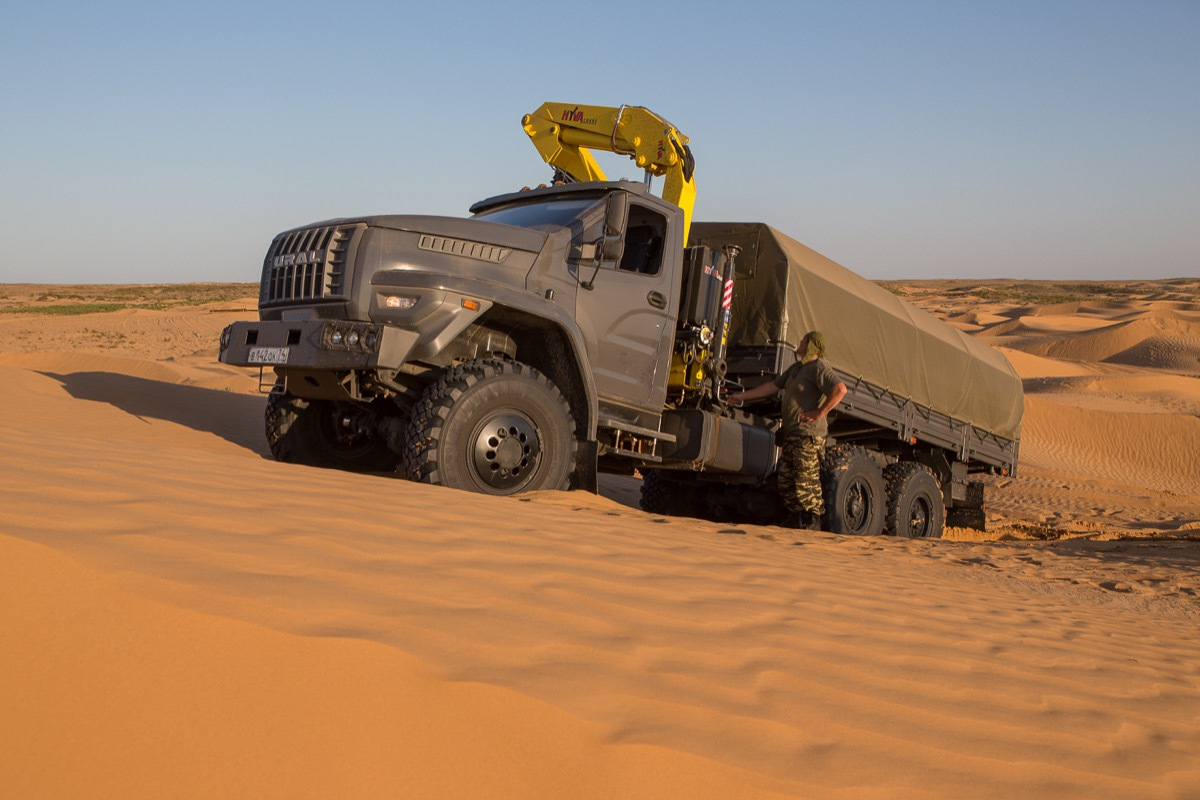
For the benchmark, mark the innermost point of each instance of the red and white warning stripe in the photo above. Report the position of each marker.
(727, 301)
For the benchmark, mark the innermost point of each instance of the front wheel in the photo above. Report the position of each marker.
(855, 498)
(323, 433)
(492, 426)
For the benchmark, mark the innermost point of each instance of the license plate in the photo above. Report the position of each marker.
(268, 355)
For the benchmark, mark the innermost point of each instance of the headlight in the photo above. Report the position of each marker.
(399, 301)
(354, 337)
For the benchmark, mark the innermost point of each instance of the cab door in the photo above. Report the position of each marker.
(627, 312)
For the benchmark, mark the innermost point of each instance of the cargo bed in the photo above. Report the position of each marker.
(906, 372)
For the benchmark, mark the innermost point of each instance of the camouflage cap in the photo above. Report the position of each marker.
(816, 345)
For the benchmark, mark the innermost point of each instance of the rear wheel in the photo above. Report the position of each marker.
(664, 496)
(915, 509)
(855, 497)
(323, 433)
(492, 426)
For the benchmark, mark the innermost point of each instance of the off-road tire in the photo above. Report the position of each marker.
(491, 426)
(855, 495)
(915, 509)
(663, 496)
(309, 432)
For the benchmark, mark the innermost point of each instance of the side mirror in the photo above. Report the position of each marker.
(616, 212)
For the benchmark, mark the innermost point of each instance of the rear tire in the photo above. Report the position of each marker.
(492, 426)
(317, 433)
(664, 496)
(915, 509)
(855, 496)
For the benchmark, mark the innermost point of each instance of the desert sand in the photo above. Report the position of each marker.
(181, 616)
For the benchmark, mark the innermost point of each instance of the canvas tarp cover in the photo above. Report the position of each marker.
(783, 289)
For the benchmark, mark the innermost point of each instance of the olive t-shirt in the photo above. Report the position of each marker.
(805, 385)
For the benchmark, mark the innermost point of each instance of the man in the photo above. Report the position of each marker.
(811, 389)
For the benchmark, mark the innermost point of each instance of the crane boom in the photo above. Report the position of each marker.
(564, 133)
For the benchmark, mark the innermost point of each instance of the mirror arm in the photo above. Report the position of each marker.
(599, 245)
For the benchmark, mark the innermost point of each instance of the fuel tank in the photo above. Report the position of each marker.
(705, 441)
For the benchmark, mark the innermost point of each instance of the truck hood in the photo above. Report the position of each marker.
(495, 233)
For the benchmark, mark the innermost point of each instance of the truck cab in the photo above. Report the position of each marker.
(623, 263)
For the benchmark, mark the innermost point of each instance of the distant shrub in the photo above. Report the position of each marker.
(69, 310)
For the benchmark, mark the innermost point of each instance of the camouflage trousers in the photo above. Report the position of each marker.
(799, 474)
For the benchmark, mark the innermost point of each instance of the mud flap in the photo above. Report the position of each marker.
(584, 476)
(970, 512)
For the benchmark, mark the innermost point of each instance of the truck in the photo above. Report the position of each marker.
(587, 326)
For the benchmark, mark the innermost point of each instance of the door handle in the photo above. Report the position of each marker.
(656, 299)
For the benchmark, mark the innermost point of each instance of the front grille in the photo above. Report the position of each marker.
(307, 265)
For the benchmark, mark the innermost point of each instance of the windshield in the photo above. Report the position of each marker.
(547, 215)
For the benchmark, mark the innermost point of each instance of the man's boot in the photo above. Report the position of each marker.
(797, 520)
(812, 520)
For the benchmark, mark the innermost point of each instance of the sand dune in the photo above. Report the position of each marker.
(1163, 340)
(1070, 439)
(1030, 366)
(185, 617)
(979, 319)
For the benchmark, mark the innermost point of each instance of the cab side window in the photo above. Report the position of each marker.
(645, 233)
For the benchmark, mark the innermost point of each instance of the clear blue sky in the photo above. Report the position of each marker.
(164, 142)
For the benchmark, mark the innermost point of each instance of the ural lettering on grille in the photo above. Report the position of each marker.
(306, 265)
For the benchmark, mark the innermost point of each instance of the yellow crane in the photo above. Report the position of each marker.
(564, 133)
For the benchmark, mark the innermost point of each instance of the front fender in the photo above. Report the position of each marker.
(392, 283)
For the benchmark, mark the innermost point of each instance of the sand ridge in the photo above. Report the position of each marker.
(191, 618)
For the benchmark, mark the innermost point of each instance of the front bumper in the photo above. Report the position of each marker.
(316, 344)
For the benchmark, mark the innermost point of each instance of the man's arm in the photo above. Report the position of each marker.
(831, 400)
(760, 392)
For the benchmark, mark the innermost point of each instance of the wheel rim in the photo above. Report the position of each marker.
(920, 515)
(856, 510)
(506, 451)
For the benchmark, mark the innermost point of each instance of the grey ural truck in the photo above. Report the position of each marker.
(569, 330)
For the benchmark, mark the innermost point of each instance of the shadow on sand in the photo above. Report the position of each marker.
(237, 418)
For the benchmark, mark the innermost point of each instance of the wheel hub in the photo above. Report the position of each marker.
(506, 450)
(856, 506)
(918, 520)
(341, 430)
